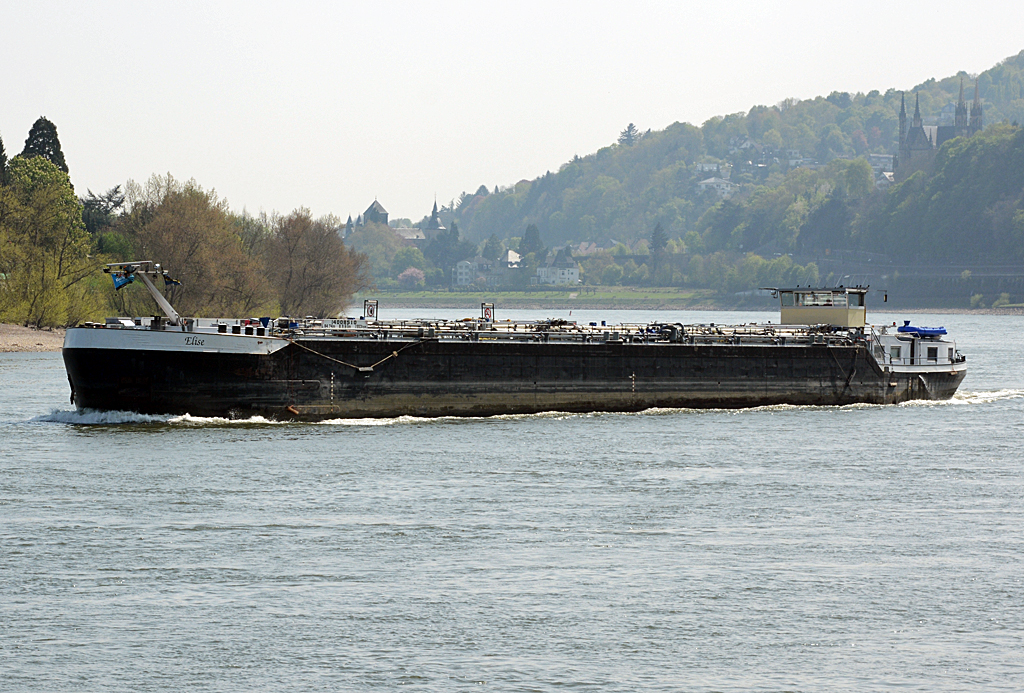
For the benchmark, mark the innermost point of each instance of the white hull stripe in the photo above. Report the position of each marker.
(930, 368)
(165, 340)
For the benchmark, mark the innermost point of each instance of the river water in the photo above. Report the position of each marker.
(858, 548)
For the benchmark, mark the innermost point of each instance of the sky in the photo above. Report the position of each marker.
(330, 105)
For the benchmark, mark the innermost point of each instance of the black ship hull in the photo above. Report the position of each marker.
(316, 379)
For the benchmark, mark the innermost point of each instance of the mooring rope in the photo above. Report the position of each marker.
(362, 369)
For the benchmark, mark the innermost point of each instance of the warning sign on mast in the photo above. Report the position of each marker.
(370, 309)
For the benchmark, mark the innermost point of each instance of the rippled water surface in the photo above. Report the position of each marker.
(802, 549)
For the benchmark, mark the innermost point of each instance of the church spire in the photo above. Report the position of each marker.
(434, 223)
(960, 121)
(917, 110)
(903, 119)
(976, 122)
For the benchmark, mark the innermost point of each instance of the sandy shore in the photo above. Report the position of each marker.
(18, 338)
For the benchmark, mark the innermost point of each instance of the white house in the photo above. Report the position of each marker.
(468, 271)
(721, 186)
(465, 273)
(560, 271)
(480, 269)
(509, 260)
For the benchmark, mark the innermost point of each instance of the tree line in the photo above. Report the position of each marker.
(53, 245)
(643, 179)
(967, 207)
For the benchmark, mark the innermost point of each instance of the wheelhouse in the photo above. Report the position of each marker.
(841, 306)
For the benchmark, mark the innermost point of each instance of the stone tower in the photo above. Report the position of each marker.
(376, 213)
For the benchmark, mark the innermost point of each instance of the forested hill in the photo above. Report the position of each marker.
(789, 195)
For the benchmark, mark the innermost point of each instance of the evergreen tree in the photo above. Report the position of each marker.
(3, 163)
(531, 242)
(493, 248)
(629, 136)
(42, 141)
(658, 239)
(447, 249)
(98, 210)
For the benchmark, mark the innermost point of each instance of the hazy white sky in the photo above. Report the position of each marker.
(327, 105)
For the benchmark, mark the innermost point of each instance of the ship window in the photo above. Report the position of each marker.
(894, 352)
(839, 299)
(815, 299)
(787, 298)
(951, 353)
(933, 353)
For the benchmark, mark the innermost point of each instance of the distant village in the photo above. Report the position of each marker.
(559, 268)
(748, 161)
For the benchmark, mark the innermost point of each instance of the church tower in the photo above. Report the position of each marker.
(960, 122)
(435, 218)
(434, 225)
(976, 123)
(903, 120)
(376, 214)
(917, 148)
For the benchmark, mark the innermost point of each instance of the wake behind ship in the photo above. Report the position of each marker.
(823, 354)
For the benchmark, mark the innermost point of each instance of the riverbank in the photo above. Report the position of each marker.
(612, 298)
(624, 299)
(18, 338)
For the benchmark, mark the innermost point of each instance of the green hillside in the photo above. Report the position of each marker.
(801, 200)
(623, 191)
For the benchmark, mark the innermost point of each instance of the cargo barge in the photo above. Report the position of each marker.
(823, 353)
